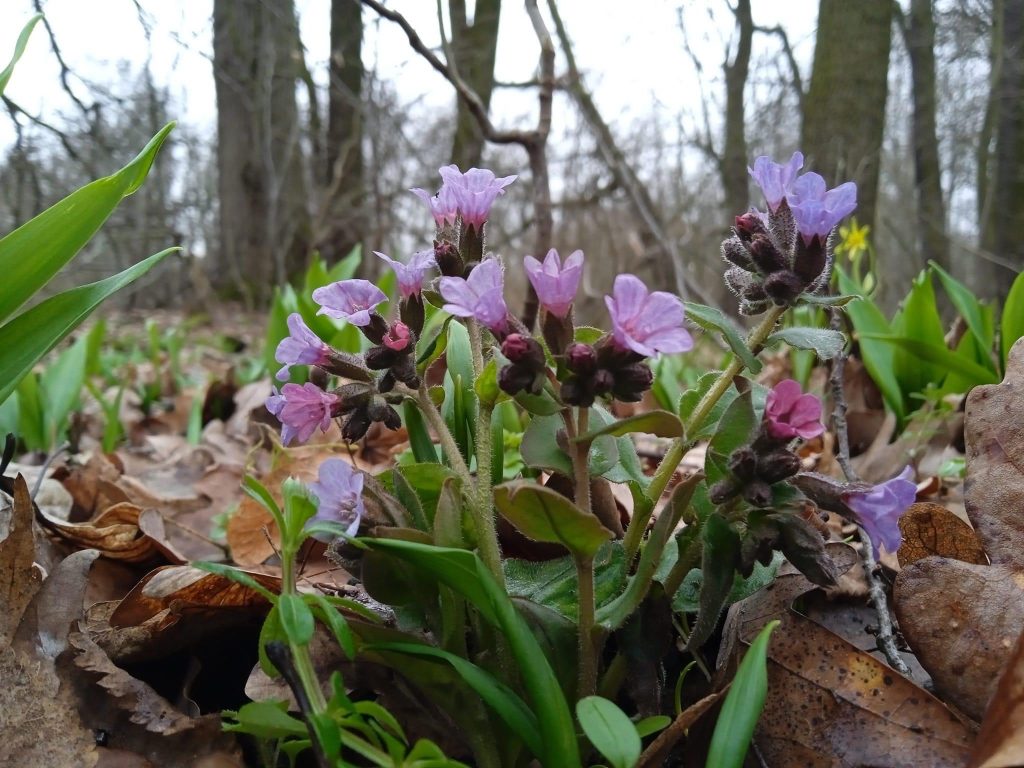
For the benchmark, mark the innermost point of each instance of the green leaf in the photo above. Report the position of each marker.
(610, 731)
(19, 50)
(61, 385)
(538, 405)
(711, 319)
(263, 497)
(742, 706)
(36, 331)
(333, 620)
(544, 515)
(486, 385)
(265, 720)
(653, 724)
(735, 429)
(967, 304)
(502, 699)
(1012, 324)
(825, 342)
(942, 356)
(721, 553)
(31, 414)
(448, 517)
(540, 448)
(408, 498)
(830, 301)
(660, 423)
(269, 632)
(35, 251)
(296, 618)
(552, 583)
(918, 321)
(419, 438)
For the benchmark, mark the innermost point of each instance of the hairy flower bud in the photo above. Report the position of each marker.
(743, 463)
(577, 391)
(516, 378)
(747, 225)
(523, 351)
(412, 312)
(375, 329)
(448, 259)
(603, 381)
(381, 358)
(765, 255)
(356, 424)
(758, 493)
(777, 466)
(783, 287)
(632, 381)
(580, 358)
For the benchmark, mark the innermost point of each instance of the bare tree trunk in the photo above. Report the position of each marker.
(844, 112)
(1004, 222)
(264, 219)
(345, 203)
(734, 152)
(919, 29)
(474, 47)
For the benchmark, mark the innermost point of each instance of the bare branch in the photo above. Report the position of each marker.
(787, 51)
(65, 70)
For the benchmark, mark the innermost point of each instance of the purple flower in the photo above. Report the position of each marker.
(647, 323)
(300, 347)
(410, 276)
(351, 300)
(879, 509)
(474, 191)
(443, 206)
(775, 178)
(339, 493)
(301, 409)
(789, 413)
(481, 296)
(555, 282)
(816, 210)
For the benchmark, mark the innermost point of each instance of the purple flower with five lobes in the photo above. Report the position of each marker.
(443, 206)
(789, 413)
(817, 209)
(301, 409)
(339, 493)
(351, 300)
(644, 322)
(555, 281)
(774, 178)
(480, 296)
(300, 347)
(410, 276)
(474, 191)
(879, 509)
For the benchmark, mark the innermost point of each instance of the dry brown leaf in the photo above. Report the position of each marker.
(830, 703)
(1000, 742)
(251, 532)
(19, 577)
(931, 529)
(121, 532)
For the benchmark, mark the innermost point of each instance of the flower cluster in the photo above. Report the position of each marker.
(779, 255)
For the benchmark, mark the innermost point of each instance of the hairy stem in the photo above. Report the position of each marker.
(587, 648)
(581, 460)
(486, 529)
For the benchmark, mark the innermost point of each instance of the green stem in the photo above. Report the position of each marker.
(581, 460)
(587, 648)
(687, 561)
(300, 652)
(486, 528)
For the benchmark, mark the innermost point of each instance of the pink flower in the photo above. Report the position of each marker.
(879, 509)
(789, 413)
(646, 323)
(774, 178)
(398, 337)
(443, 206)
(410, 276)
(817, 209)
(300, 347)
(481, 296)
(474, 192)
(301, 409)
(339, 493)
(555, 282)
(351, 300)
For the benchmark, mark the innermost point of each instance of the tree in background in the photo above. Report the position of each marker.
(474, 47)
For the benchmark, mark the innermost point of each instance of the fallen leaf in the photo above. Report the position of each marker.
(931, 529)
(19, 577)
(121, 532)
(1000, 742)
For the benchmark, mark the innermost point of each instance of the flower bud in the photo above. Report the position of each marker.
(523, 351)
(777, 466)
(399, 338)
(577, 391)
(765, 255)
(632, 381)
(412, 313)
(380, 358)
(448, 259)
(743, 463)
(356, 424)
(747, 225)
(723, 490)
(517, 378)
(352, 396)
(736, 253)
(603, 381)
(375, 329)
(377, 408)
(404, 370)
(783, 287)
(758, 493)
(391, 418)
(580, 358)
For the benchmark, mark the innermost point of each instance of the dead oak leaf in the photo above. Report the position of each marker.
(1000, 742)
(19, 577)
(931, 529)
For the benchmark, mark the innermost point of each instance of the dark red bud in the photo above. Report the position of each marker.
(398, 338)
(580, 358)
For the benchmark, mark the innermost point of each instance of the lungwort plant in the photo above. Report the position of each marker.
(534, 659)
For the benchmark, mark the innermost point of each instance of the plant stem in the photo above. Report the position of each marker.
(688, 560)
(587, 650)
(486, 529)
(581, 461)
(436, 421)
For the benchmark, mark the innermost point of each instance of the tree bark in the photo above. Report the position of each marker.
(264, 222)
(474, 47)
(734, 152)
(844, 112)
(931, 210)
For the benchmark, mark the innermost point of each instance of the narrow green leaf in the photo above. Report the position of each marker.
(713, 319)
(829, 301)
(36, 251)
(265, 720)
(610, 731)
(542, 514)
(270, 631)
(968, 305)
(742, 706)
(419, 438)
(334, 621)
(940, 356)
(19, 50)
(448, 517)
(31, 414)
(918, 320)
(1012, 324)
(408, 498)
(721, 553)
(296, 618)
(36, 331)
(540, 447)
(498, 696)
(824, 342)
(653, 724)
(61, 385)
(660, 423)
(263, 497)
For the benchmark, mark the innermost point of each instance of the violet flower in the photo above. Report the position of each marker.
(474, 192)
(879, 509)
(775, 178)
(351, 300)
(410, 276)
(300, 347)
(480, 296)
(339, 493)
(443, 206)
(555, 281)
(646, 323)
(789, 413)
(301, 409)
(817, 209)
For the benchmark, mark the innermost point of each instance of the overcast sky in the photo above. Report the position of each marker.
(630, 52)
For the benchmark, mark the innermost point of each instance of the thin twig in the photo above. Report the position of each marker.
(885, 639)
